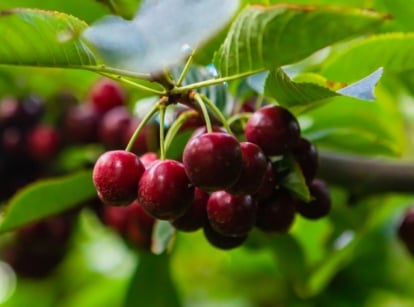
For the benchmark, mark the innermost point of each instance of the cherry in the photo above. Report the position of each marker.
(116, 175)
(112, 127)
(148, 157)
(203, 130)
(268, 184)
(304, 152)
(406, 229)
(222, 242)
(139, 226)
(277, 213)
(231, 215)
(80, 124)
(195, 216)
(147, 139)
(43, 142)
(130, 222)
(106, 94)
(253, 170)
(273, 128)
(320, 206)
(164, 190)
(213, 161)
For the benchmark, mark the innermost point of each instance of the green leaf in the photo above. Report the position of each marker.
(162, 237)
(152, 284)
(42, 38)
(393, 51)
(355, 126)
(305, 94)
(46, 198)
(294, 180)
(267, 37)
(151, 41)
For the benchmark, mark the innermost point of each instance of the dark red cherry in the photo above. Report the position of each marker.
(406, 229)
(195, 216)
(80, 124)
(116, 175)
(231, 215)
(113, 126)
(106, 94)
(213, 161)
(304, 152)
(222, 242)
(253, 170)
(277, 214)
(320, 206)
(273, 128)
(43, 142)
(268, 184)
(164, 190)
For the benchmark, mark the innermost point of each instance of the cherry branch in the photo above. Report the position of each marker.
(363, 175)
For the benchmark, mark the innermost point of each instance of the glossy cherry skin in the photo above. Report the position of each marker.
(164, 190)
(195, 216)
(106, 94)
(222, 242)
(116, 175)
(253, 170)
(231, 215)
(213, 161)
(305, 153)
(268, 184)
(113, 126)
(277, 214)
(320, 206)
(273, 128)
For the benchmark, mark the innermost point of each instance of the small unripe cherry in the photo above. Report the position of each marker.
(116, 175)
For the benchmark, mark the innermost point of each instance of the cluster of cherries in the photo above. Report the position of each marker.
(30, 142)
(222, 185)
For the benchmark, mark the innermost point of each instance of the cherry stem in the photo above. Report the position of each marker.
(186, 68)
(141, 125)
(176, 126)
(216, 110)
(162, 110)
(238, 117)
(204, 110)
(133, 84)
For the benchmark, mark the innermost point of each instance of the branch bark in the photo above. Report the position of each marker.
(362, 175)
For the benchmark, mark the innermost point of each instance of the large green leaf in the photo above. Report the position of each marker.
(393, 51)
(152, 284)
(151, 42)
(304, 95)
(33, 37)
(267, 37)
(350, 125)
(47, 197)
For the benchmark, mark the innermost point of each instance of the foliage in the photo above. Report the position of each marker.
(345, 70)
